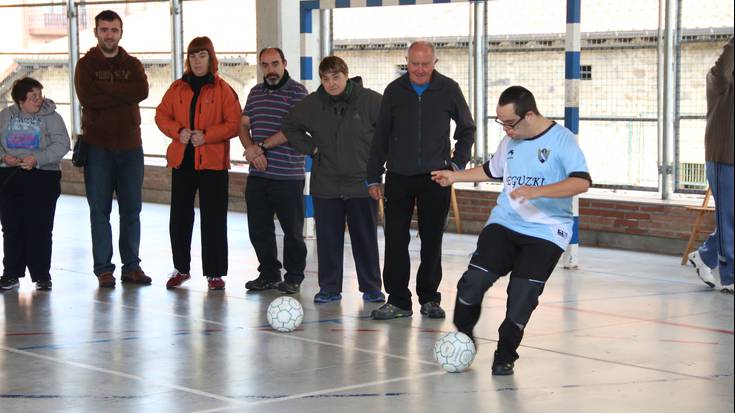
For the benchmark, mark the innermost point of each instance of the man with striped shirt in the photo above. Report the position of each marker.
(276, 180)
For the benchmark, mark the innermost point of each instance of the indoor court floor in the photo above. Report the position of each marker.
(626, 332)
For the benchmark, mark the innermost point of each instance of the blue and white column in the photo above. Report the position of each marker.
(571, 109)
(309, 32)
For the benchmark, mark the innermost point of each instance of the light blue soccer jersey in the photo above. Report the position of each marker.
(546, 159)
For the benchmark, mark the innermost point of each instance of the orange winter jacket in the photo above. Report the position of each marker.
(217, 113)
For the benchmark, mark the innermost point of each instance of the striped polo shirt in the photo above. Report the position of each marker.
(266, 109)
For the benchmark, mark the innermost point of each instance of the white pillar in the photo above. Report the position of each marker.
(75, 107)
(177, 40)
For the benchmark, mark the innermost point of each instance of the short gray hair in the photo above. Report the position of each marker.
(422, 43)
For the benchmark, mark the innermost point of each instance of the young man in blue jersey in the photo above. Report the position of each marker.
(276, 178)
(542, 167)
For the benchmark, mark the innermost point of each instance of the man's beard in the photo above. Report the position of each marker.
(272, 79)
(106, 49)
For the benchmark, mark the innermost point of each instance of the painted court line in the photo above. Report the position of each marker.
(417, 360)
(619, 363)
(326, 391)
(648, 320)
(124, 375)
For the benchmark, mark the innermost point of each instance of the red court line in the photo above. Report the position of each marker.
(649, 320)
(357, 330)
(689, 342)
(45, 333)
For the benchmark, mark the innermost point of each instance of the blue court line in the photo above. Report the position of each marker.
(372, 395)
(60, 396)
(102, 341)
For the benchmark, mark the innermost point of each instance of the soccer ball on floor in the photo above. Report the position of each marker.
(454, 351)
(285, 314)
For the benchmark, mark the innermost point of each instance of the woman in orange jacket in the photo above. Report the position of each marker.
(200, 113)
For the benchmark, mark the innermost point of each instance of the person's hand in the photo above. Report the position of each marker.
(197, 138)
(443, 177)
(28, 163)
(376, 192)
(184, 135)
(252, 152)
(255, 155)
(11, 160)
(525, 193)
(260, 163)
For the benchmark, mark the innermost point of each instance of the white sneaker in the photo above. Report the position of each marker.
(703, 271)
(727, 289)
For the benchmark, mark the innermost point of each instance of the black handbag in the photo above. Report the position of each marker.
(79, 153)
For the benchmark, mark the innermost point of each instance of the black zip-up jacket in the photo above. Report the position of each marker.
(412, 132)
(341, 129)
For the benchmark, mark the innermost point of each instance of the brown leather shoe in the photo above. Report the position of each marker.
(106, 280)
(136, 277)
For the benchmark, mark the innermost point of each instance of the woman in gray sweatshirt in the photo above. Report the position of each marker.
(33, 139)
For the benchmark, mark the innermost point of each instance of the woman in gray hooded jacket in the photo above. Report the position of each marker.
(335, 125)
(33, 139)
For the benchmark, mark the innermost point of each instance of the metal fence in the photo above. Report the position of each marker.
(40, 48)
(619, 90)
(619, 87)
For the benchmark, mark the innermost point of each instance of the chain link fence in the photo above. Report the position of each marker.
(619, 70)
(618, 86)
(39, 47)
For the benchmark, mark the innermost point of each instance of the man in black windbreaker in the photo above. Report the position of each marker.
(412, 136)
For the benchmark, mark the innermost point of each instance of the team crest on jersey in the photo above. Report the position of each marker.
(510, 154)
(543, 155)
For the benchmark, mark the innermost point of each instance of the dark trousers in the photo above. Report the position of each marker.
(361, 215)
(530, 262)
(27, 209)
(213, 198)
(285, 199)
(402, 193)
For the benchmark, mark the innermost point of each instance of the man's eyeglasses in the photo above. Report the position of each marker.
(509, 125)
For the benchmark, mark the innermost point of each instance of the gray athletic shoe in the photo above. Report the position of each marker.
(388, 312)
(432, 310)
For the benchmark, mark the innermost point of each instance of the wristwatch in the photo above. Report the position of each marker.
(262, 145)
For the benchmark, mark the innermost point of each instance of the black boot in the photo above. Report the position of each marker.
(465, 318)
(510, 337)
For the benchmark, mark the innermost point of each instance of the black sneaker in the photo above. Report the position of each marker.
(388, 312)
(432, 310)
(289, 287)
(502, 368)
(8, 283)
(261, 284)
(44, 285)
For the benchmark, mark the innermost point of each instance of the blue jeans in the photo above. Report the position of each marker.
(120, 172)
(717, 249)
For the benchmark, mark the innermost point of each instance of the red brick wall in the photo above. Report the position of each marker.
(641, 218)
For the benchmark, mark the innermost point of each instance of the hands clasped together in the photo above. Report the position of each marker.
(27, 163)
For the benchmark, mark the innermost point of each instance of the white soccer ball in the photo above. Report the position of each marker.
(285, 314)
(454, 351)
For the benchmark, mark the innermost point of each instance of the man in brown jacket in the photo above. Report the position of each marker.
(719, 135)
(110, 83)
